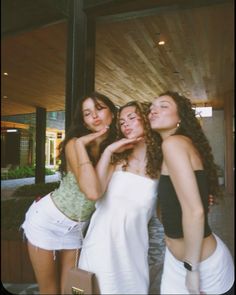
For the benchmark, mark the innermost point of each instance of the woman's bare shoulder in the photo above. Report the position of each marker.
(70, 144)
(176, 141)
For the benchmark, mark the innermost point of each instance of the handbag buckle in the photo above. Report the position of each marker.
(76, 291)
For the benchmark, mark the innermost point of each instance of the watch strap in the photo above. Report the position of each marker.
(189, 266)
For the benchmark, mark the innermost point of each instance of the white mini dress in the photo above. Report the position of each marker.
(116, 245)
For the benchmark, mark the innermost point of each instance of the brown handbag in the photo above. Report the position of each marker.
(80, 281)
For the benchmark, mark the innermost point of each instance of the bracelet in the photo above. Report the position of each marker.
(84, 163)
(109, 151)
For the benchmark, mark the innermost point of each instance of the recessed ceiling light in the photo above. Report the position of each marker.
(5, 96)
(161, 42)
(11, 130)
(5, 74)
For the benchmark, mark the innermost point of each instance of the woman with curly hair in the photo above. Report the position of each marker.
(196, 260)
(51, 224)
(116, 244)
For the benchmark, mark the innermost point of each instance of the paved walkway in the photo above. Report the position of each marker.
(221, 219)
(10, 185)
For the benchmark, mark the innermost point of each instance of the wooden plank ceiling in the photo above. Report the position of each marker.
(196, 60)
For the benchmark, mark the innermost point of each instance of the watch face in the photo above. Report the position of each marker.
(187, 266)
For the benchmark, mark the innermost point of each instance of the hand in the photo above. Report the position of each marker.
(87, 139)
(192, 282)
(123, 144)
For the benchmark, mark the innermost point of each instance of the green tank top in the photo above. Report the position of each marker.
(71, 201)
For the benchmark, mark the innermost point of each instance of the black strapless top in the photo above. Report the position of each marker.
(171, 212)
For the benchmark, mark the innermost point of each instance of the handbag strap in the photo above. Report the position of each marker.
(81, 235)
(76, 257)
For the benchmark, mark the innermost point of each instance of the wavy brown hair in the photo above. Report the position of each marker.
(190, 127)
(78, 128)
(151, 138)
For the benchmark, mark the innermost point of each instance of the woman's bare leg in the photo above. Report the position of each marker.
(45, 269)
(67, 260)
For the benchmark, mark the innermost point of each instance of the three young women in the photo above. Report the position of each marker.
(51, 224)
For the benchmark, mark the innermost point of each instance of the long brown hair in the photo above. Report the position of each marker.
(78, 128)
(150, 137)
(191, 127)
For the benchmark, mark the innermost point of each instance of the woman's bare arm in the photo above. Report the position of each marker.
(184, 180)
(80, 164)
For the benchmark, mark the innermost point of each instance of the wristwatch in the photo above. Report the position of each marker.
(189, 266)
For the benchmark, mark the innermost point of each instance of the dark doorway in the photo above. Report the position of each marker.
(10, 152)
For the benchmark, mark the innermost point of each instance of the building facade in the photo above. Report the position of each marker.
(18, 139)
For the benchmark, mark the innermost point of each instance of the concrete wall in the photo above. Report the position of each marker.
(215, 131)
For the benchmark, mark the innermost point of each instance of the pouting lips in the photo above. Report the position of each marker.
(97, 122)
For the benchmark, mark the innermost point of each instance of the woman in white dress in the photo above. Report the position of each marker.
(116, 245)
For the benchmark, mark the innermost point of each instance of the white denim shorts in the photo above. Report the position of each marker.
(46, 227)
(216, 272)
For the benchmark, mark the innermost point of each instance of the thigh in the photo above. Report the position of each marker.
(67, 261)
(46, 269)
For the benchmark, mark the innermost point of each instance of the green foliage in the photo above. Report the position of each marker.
(49, 171)
(24, 172)
(21, 172)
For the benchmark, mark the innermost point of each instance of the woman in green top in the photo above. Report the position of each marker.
(51, 224)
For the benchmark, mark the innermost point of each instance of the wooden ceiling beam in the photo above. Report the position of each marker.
(99, 8)
(20, 16)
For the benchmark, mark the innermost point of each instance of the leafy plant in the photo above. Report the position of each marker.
(23, 172)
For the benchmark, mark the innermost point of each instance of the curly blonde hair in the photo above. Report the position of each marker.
(151, 138)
